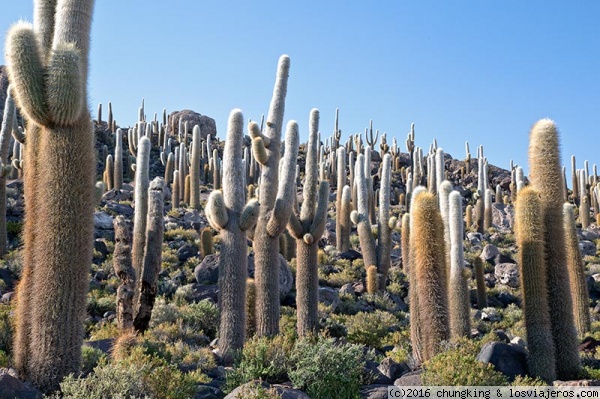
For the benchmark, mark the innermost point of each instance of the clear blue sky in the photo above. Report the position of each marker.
(482, 71)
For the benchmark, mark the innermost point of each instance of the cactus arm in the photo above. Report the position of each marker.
(260, 151)
(18, 133)
(283, 203)
(65, 85)
(256, 133)
(8, 122)
(216, 212)
(320, 219)
(367, 242)
(295, 227)
(249, 215)
(310, 186)
(26, 70)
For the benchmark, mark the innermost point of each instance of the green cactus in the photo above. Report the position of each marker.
(385, 223)
(206, 242)
(307, 228)
(532, 269)
(428, 260)
(458, 292)
(579, 290)
(276, 199)
(147, 285)
(227, 214)
(109, 172)
(361, 216)
(48, 67)
(372, 280)
(545, 176)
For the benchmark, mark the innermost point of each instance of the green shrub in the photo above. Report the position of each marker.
(369, 328)
(201, 316)
(459, 366)
(327, 369)
(6, 328)
(100, 302)
(4, 359)
(163, 312)
(138, 376)
(257, 391)
(262, 358)
(528, 382)
(90, 357)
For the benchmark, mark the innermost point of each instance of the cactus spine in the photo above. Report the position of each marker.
(579, 290)
(276, 199)
(545, 175)
(48, 66)
(195, 169)
(584, 212)
(428, 259)
(228, 214)
(530, 240)
(307, 228)
(458, 294)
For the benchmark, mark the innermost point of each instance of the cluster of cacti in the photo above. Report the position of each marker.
(229, 214)
(374, 254)
(48, 66)
(307, 228)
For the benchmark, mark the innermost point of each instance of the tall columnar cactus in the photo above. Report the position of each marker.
(341, 228)
(428, 260)
(195, 169)
(487, 210)
(579, 290)
(584, 212)
(307, 228)
(404, 242)
(276, 199)
(413, 292)
(124, 270)
(445, 188)
(545, 175)
(148, 278)
(118, 160)
(530, 240)
(8, 126)
(48, 66)
(458, 293)
(109, 172)
(228, 214)
(385, 224)
(574, 180)
(141, 211)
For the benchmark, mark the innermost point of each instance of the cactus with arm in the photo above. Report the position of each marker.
(228, 214)
(48, 66)
(276, 199)
(307, 228)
